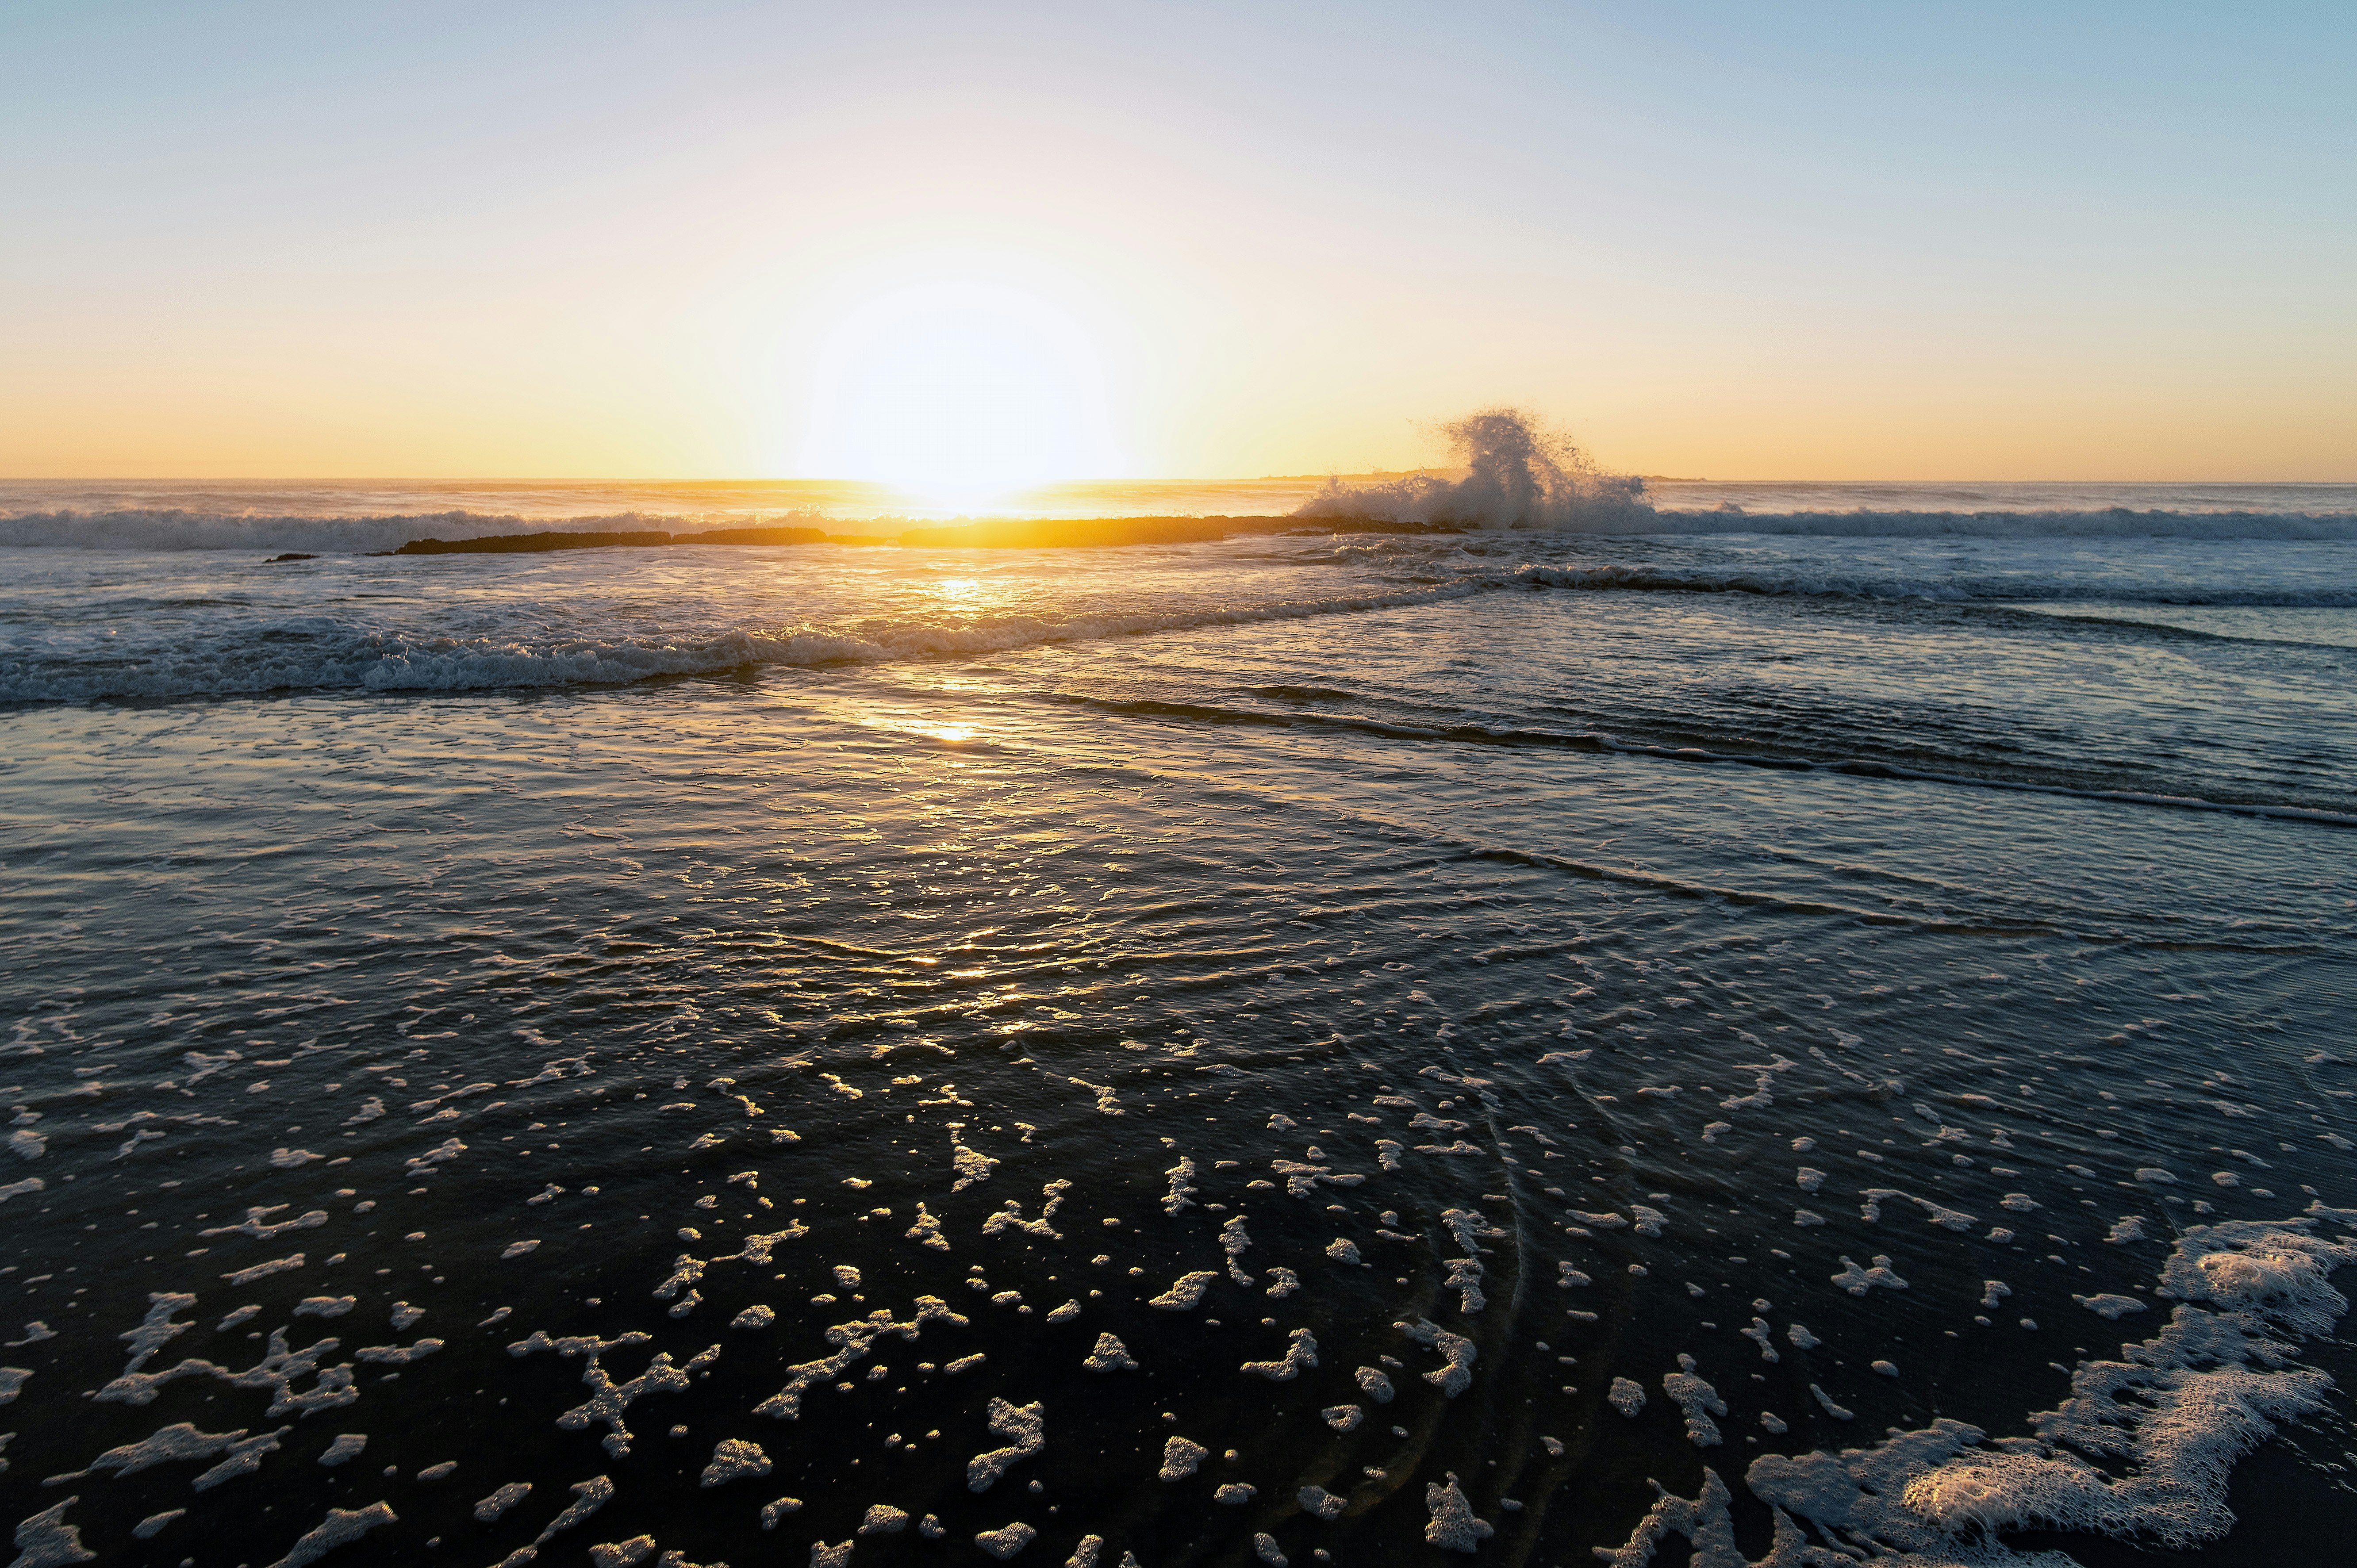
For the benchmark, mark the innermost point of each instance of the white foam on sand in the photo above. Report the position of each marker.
(854, 1341)
(1858, 1280)
(733, 1459)
(1182, 1188)
(1300, 1353)
(2144, 1448)
(1180, 1458)
(182, 1442)
(927, 1231)
(588, 1496)
(1457, 1376)
(1696, 1399)
(342, 1527)
(608, 1401)
(1006, 1541)
(1026, 1427)
(1185, 1293)
(1235, 1240)
(505, 1497)
(1110, 1356)
(1453, 1527)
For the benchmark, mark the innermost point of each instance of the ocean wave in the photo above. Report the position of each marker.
(179, 529)
(1576, 511)
(2113, 522)
(1946, 588)
(1519, 476)
(1469, 733)
(256, 660)
(1628, 517)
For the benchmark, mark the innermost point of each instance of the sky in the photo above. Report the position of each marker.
(1020, 240)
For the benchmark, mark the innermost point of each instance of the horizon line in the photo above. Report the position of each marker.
(1042, 485)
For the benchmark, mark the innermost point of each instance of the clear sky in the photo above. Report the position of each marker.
(1006, 239)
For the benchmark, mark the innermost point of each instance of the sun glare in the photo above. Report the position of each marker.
(958, 393)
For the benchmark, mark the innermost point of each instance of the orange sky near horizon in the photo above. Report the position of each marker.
(964, 256)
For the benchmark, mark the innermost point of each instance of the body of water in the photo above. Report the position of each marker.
(1314, 1047)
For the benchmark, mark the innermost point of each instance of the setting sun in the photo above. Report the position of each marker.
(958, 393)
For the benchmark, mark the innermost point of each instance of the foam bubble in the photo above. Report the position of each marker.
(1858, 1280)
(1006, 1541)
(1696, 1400)
(1110, 1356)
(504, 1498)
(342, 1527)
(1453, 1527)
(733, 1459)
(1461, 1353)
(1180, 1458)
(1185, 1293)
(1027, 1428)
(1300, 1353)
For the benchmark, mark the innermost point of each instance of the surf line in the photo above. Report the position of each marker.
(1596, 742)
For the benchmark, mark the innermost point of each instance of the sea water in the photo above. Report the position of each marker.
(1323, 1043)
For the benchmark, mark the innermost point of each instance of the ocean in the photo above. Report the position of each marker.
(1772, 1023)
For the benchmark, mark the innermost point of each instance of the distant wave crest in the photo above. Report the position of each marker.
(1951, 588)
(2113, 522)
(176, 528)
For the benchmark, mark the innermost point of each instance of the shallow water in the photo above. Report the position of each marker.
(978, 873)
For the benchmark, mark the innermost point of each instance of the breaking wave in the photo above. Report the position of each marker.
(256, 661)
(1519, 474)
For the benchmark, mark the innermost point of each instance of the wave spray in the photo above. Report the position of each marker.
(1519, 474)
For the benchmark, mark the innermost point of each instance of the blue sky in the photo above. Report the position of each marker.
(1811, 241)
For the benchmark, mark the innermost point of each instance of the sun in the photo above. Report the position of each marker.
(958, 393)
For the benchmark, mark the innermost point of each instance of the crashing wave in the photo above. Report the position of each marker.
(1519, 474)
